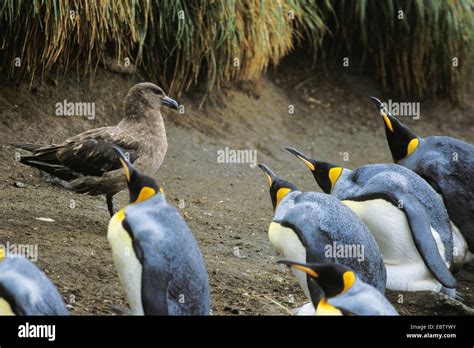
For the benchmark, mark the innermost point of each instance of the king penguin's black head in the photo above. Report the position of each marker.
(401, 140)
(140, 186)
(279, 188)
(326, 174)
(333, 278)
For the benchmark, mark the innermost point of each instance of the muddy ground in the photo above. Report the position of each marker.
(227, 206)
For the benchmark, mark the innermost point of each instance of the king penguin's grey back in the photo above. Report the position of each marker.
(31, 288)
(448, 163)
(162, 233)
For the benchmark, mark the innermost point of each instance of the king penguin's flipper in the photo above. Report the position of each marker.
(154, 281)
(426, 244)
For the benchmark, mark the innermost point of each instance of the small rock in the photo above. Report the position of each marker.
(19, 184)
(44, 219)
(231, 310)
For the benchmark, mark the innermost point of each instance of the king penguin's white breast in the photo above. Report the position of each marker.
(390, 228)
(306, 309)
(388, 224)
(286, 242)
(5, 308)
(128, 267)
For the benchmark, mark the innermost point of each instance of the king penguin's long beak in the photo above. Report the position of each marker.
(381, 107)
(298, 153)
(387, 117)
(306, 159)
(377, 102)
(299, 266)
(169, 102)
(271, 176)
(127, 166)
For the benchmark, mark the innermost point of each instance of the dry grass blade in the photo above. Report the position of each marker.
(180, 42)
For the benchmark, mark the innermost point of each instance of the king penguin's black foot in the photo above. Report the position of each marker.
(110, 205)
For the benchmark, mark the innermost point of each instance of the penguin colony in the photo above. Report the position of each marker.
(409, 223)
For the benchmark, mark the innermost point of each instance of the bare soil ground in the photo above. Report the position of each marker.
(227, 206)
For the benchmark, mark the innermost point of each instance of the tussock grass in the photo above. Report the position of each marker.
(413, 55)
(178, 42)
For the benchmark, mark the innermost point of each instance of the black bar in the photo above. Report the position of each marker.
(258, 330)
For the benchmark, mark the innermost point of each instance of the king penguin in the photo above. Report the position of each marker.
(403, 213)
(25, 290)
(447, 164)
(158, 261)
(344, 292)
(310, 227)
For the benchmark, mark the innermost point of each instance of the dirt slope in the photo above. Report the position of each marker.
(227, 206)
